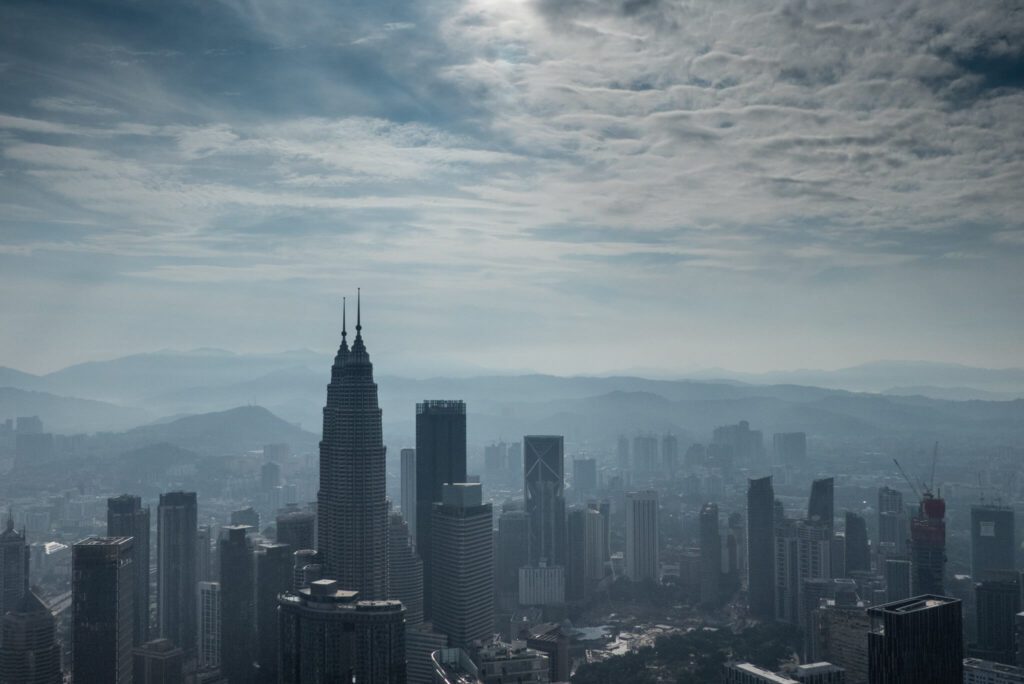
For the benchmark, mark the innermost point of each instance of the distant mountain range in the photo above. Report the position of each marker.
(906, 398)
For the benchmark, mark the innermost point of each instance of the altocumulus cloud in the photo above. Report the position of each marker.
(689, 161)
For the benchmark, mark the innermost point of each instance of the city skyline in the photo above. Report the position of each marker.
(834, 182)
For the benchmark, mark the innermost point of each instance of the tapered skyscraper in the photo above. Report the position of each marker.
(351, 505)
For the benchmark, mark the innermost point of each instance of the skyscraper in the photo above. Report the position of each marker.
(406, 571)
(595, 547)
(158, 662)
(928, 547)
(993, 540)
(916, 640)
(13, 567)
(352, 515)
(440, 460)
(296, 528)
(127, 518)
(803, 552)
(274, 573)
(544, 478)
(858, 555)
(576, 558)
(821, 506)
(209, 625)
(761, 548)
(30, 653)
(328, 635)
(710, 555)
(893, 526)
(790, 448)
(237, 591)
(177, 544)
(102, 587)
(463, 565)
(584, 475)
(669, 454)
(897, 579)
(642, 539)
(513, 551)
(997, 602)
(408, 501)
(206, 564)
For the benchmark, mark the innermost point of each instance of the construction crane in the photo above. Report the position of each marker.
(907, 478)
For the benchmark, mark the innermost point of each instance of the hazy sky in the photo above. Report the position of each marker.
(559, 185)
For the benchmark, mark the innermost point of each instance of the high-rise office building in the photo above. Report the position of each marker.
(595, 548)
(575, 557)
(126, 517)
(928, 547)
(274, 574)
(897, 579)
(645, 454)
(977, 671)
(544, 476)
(622, 452)
(30, 653)
(997, 602)
(802, 552)
(440, 460)
(246, 516)
(406, 569)
(206, 563)
(176, 541)
(513, 552)
(916, 640)
(352, 515)
(790, 448)
(761, 548)
(237, 616)
(821, 505)
(642, 537)
(328, 635)
(744, 444)
(464, 565)
(669, 454)
(14, 555)
(584, 475)
(158, 662)
(710, 555)
(296, 528)
(421, 641)
(102, 610)
(893, 524)
(408, 484)
(270, 476)
(993, 540)
(858, 553)
(208, 654)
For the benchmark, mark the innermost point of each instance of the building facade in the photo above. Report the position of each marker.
(176, 568)
(126, 517)
(102, 610)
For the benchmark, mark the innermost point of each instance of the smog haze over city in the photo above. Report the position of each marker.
(598, 340)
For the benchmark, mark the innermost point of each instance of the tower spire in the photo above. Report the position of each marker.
(344, 332)
(359, 316)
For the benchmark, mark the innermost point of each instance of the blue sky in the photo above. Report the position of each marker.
(559, 185)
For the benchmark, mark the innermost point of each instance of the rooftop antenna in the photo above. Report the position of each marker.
(343, 330)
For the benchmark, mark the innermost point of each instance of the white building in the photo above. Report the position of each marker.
(541, 585)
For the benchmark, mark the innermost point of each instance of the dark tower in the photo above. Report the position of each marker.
(127, 518)
(237, 614)
(543, 466)
(710, 555)
(440, 460)
(992, 540)
(857, 555)
(30, 653)
(102, 579)
(176, 541)
(916, 640)
(274, 575)
(13, 567)
(761, 548)
(821, 506)
(928, 547)
(351, 505)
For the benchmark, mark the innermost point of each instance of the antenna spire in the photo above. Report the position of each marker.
(343, 330)
(359, 315)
